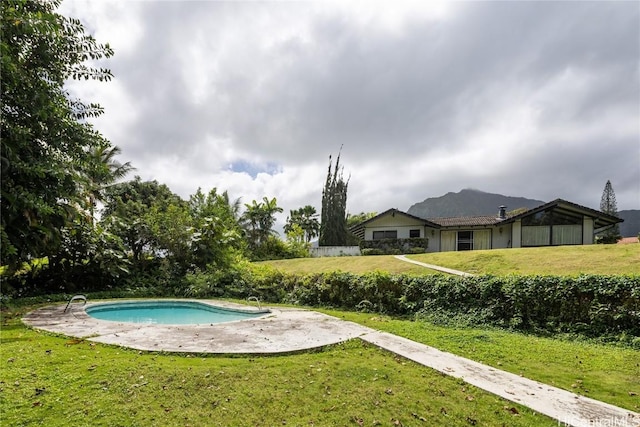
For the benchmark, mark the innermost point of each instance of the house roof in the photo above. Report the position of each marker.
(600, 219)
(469, 221)
(393, 212)
(358, 229)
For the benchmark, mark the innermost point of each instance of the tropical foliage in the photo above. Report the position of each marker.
(258, 220)
(45, 138)
(306, 218)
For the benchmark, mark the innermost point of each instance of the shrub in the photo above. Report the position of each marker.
(589, 305)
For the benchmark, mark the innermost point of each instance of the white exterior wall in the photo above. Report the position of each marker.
(322, 251)
(400, 223)
(434, 239)
(501, 240)
(516, 234)
(587, 231)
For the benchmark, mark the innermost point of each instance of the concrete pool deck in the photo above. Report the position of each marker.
(294, 330)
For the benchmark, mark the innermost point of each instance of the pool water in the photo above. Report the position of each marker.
(168, 312)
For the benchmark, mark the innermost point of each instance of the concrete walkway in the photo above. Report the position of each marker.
(568, 408)
(434, 267)
(291, 330)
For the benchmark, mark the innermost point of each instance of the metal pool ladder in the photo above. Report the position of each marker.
(256, 300)
(74, 298)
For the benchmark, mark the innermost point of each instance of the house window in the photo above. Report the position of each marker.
(465, 240)
(386, 234)
(414, 233)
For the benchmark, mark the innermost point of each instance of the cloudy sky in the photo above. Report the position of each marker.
(540, 100)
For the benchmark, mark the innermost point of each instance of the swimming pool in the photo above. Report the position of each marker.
(169, 312)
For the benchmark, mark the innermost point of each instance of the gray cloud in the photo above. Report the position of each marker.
(522, 98)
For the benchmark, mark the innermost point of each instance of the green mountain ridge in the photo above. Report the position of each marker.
(469, 202)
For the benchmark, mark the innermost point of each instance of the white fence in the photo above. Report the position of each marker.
(322, 251)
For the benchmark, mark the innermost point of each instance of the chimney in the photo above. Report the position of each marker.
(502, 213)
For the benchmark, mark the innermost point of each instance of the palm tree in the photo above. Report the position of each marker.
(307, 218)
(103, 171)
(259, 219)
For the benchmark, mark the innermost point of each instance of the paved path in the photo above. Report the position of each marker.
(434, 267)
(568, 408)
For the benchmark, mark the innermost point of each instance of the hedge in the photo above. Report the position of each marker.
(590, 305)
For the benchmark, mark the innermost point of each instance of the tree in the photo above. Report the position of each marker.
(307, 219)
(609, 206)
(45, 138)
(102, 171)
(259, 219)
(333, 223)
(126, 213)
(297, 244)
(216, 232)
(355, 219)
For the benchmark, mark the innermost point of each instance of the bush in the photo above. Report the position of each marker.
(589, 305)
(372, 251)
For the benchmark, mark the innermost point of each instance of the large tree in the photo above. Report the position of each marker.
(44, 135)
(609, 206)
(132, 209)
(333, 218)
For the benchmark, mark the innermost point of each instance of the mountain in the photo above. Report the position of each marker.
(631, 225)
(469, 202)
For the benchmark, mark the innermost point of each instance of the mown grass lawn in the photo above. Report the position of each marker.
(559, 260)
(607, 373)
(53, 380)
(351, 264)
(56, 381)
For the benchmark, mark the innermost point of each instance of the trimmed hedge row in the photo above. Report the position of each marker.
(591, 305)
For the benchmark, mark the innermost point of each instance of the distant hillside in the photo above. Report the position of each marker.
(631, 225)
(469, 203)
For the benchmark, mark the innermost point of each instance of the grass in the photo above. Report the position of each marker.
(52, 380)
(607, 373)
(559, 260)
(350, 264)
(56, 381)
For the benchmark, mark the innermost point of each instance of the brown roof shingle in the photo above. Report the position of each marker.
(470, 221)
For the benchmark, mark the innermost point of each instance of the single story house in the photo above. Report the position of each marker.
(555, 223)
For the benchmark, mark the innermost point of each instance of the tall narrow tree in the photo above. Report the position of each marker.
(333, 218)
(609, 206)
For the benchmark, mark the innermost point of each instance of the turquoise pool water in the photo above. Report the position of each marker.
(168, 312)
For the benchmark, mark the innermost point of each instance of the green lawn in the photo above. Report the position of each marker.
(602, 372)
(351, 264)
(560, 260)
(57, 381)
